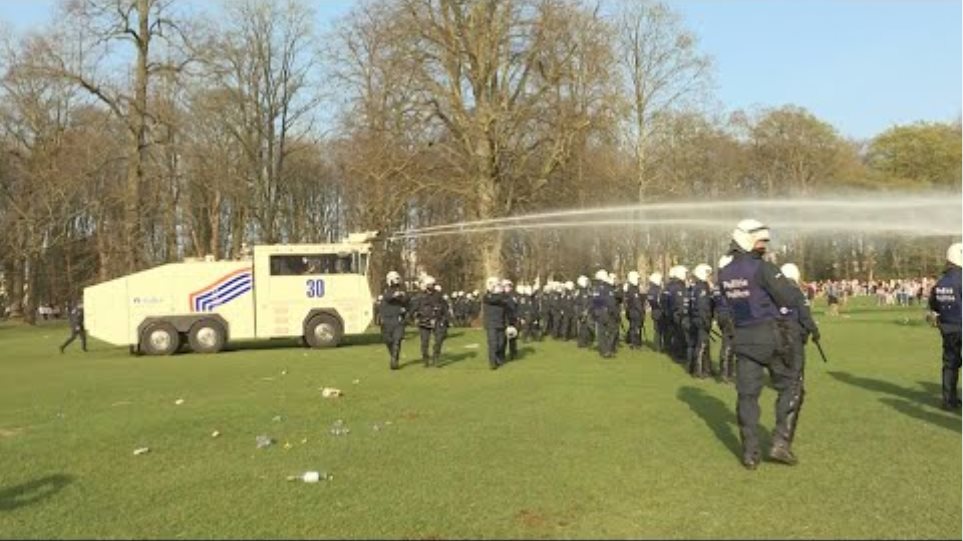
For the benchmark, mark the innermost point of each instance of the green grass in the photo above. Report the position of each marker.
(559, 444)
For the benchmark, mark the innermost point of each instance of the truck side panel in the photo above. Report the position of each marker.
(117, 308)
(106, 311)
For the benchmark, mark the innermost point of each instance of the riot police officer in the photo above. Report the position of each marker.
(755, 290)
(801, 327)
(674, 299)
(603, 310)
(494, 321)
(582, 308)
(945, 301)
(723, 317)
(653, 295)
(394, 307)
(700, 322)
(634, 310)
(511, 318)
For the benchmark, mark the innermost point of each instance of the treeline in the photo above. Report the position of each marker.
(136, 132)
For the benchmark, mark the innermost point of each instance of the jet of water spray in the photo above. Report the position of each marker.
(915, 215)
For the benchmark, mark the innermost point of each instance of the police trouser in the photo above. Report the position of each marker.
(701, 359)
(679, 341)
(727, 358)
(799, 359)
(951, 366)
(658, 331)
(584, 330)
(616, 326)
(753, 358)
(549, 323)
(496, 345)
(439, 331)
(559, 330)
(392, 333)
(635, 330)
(74, 333)
(603, 334)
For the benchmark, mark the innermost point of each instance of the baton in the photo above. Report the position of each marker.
(821, 353)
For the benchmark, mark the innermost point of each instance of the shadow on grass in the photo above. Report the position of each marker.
(452, 358)
(905, 399)
(945, 420)
(885, 387)
(32, 492)
(716, 415)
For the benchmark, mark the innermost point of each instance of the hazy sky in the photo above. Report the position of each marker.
(862, 65)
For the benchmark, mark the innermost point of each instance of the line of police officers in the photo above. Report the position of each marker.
(762, 313)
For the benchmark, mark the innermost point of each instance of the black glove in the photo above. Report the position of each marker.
(815, 335)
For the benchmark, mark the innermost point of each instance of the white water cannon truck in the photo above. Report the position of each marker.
(318, 292)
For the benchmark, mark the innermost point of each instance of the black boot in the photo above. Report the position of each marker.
(780, 452)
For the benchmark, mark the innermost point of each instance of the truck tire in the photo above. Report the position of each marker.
(206, 336)
(323, 331)
(160, 338)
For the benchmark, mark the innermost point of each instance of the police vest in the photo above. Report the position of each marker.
(948, 296)
(748, 303)
(653, 294)
(697, 291)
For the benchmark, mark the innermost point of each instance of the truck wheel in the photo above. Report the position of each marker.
(160, 338)
(206, 336)
(322, 331)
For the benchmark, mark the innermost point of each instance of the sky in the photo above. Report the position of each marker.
(861, 65)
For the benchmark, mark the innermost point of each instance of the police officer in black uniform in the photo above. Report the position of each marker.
(511, 318)
(494, 321)
(674, 300)
(700, 322)
(431, 313)
(653, 295)
(945, 301)
(77, 329)
(801, 327)
(723, 317)
(603, 310)
(755, 290)
(582, 308)
(634, 310)
(394, 308)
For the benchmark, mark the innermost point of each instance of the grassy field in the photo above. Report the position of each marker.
(558, 444)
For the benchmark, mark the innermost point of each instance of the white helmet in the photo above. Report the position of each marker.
(790, 271)
(582, 281)
(490, 284)
(748, 232)
(475, 292)
(511, 332)
(702, 271)
(602, 275)
(437, 287)
(678, 272)
(655, 278)
(428, 281)
(725, 260)
(954, 254)
(393, 278)
(633, 278)
(611, 279)
(569, 285)
(445, 296)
